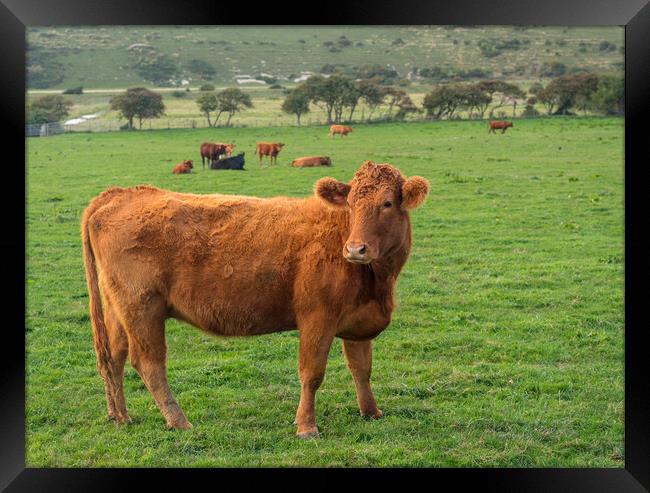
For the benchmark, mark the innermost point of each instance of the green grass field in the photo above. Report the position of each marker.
(506, 348)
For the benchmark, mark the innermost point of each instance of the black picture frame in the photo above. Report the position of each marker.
(16, 15)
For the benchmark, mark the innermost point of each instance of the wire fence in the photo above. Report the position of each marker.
(105, 125)
(46, 129)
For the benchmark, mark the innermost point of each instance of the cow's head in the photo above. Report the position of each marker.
(188, 164)
(378, 198)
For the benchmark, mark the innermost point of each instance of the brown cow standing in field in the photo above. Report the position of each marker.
(271, 149)
(340, 129)
(503, 125)
(325, 265)
(307, 162)
(211, 151)
(182, 168)
(227, 148)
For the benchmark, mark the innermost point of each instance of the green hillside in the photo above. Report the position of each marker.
(100, 58)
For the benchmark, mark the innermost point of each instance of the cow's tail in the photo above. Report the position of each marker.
(100, 334)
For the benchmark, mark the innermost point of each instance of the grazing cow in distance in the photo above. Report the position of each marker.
(271, 149)
(503, 125)
(340, 129)
(307, 162)
(234, 162)
(183, 168)
(211, 151)
(231, 265)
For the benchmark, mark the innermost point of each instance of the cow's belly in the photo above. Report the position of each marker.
(231, 305)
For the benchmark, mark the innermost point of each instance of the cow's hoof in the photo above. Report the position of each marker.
(119, 419)
(377, 414)
(310, 433)
(179, 425)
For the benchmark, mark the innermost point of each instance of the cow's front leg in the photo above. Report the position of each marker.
(315, 343)
(359, 356)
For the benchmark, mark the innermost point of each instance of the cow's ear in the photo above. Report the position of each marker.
(332, 192)
(414, 192)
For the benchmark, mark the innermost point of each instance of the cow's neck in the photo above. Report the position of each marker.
(379, 277)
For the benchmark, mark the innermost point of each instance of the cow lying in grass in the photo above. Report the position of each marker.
(183, 168)
(307, 162)
(325, 265)
(235, 162)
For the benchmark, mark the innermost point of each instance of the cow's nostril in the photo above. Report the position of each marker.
(362, 250)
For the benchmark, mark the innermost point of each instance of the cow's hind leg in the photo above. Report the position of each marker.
(146, 332)
(119, 347)
(359, 356)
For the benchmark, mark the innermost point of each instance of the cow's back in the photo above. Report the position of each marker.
(203, 254)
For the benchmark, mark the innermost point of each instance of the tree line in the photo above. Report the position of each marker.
(339, 96)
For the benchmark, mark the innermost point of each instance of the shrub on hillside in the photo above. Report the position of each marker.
(74, 90)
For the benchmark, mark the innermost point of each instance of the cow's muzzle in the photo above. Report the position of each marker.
(357, 253)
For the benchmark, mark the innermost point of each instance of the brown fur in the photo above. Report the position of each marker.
(152, 254)
(211, 151)
(271, 149)
(227, 149)
(503, 125)
(342, 130)
(183, 168)
(306, 162)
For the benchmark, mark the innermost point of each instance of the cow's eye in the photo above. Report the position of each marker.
(388, 204)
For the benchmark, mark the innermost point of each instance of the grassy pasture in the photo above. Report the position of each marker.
(506, 348)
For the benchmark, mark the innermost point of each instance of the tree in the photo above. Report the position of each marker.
(138, 102)
(535, 88)
(296, 103)
(372, 94)
(475, 98)
(207, 103)
(48, 109)
(350, 98)
(567, 91)
(609, 96)
(443, 101)
(393, 95)
(405, 106)
(333, 94)
(508, 92)
(233, 100)
(318, 93)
